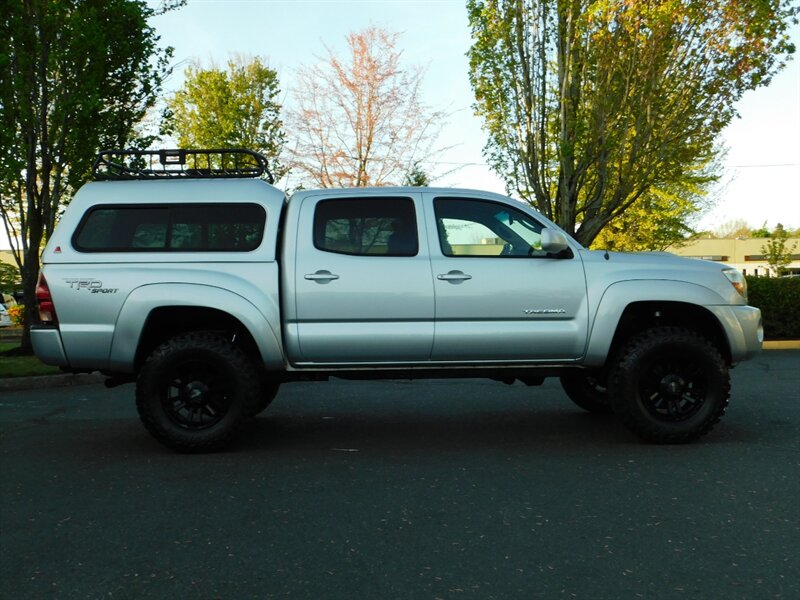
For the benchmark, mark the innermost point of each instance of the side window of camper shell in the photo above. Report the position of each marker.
(235, 227)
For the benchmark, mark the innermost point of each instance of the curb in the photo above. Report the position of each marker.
(16, 384)
(781, 345)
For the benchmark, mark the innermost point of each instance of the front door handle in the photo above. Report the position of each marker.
(454, 276)
(322, 276)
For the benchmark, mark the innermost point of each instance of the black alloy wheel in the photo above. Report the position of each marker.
(194, 395)
(674, 390)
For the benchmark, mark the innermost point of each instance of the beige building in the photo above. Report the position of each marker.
(744, 254)
(7, 256)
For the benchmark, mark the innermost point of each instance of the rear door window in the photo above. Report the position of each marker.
(367, 227)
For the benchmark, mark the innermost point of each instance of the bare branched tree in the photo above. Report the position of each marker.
(359, 119)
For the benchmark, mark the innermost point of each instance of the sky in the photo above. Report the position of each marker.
(761, 179)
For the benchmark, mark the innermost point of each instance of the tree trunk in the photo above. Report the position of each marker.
(29, 288)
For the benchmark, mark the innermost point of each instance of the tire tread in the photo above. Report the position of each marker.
(627, 364)
(216, 438)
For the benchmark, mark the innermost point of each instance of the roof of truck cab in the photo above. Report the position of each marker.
(397, 190)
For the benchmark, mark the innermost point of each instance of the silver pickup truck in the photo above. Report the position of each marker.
(209, 287)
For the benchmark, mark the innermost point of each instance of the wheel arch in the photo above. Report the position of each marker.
(154, 313)
(622, 314)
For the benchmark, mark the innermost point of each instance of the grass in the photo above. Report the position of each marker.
(22, 366)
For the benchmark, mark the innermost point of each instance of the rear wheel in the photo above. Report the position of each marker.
(196, 391)
(670, 385)
(587, 390)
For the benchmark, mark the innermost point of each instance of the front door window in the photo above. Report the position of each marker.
(484, 228)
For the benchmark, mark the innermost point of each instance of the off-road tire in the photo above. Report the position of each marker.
(196, 391)
(669, 386)
(588, 391)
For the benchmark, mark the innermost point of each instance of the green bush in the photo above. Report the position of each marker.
(779, 301)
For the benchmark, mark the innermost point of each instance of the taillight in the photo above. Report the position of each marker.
(44, 302)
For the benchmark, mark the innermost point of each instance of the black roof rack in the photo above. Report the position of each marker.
(179, 163)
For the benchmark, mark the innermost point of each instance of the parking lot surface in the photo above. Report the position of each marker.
(437, 489)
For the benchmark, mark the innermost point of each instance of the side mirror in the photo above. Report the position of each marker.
(553, 241)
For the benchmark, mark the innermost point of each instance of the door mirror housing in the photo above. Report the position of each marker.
(553, 241)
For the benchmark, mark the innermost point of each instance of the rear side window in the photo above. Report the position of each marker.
(171, 228)
(371, 227)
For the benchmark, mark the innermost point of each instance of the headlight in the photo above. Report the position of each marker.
(737, 280)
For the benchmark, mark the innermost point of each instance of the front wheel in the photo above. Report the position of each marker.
(196, 391)
(670, 385)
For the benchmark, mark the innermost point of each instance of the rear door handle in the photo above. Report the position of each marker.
(454, 276)
(322, 276)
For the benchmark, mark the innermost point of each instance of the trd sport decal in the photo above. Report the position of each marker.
(94, 286)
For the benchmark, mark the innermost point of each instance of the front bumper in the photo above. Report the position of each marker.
(47, 346)
(744, 329)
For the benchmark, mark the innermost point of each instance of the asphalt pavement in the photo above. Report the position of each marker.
(384, 490)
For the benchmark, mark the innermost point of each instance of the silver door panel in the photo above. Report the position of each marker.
(506, 308)
(361, 308)
(506, 340)
(366, 342)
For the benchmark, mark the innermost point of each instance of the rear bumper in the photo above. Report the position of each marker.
(744, 329)
(47, 346)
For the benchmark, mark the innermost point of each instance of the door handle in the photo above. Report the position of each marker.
(454, 276)
(322, 276)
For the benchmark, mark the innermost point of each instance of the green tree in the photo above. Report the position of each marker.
(654, 222)
(233, 108)
(590, 105)
(660, 218)
(10, 278)
(777, 250)
(417, 177)
(75, 76)
(761, 232)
